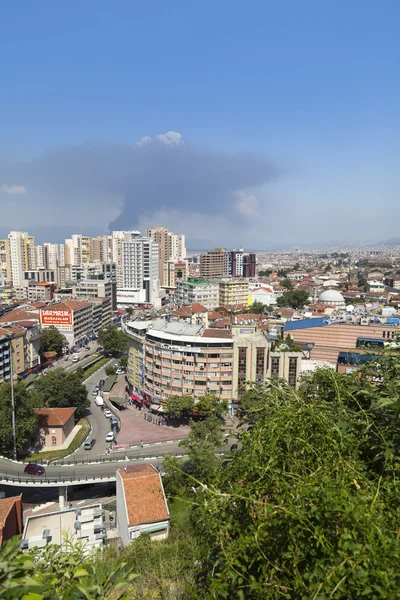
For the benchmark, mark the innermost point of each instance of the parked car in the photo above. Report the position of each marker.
(120, 371)
(90, 442)
(34, 469)
(75, 358)
(107, 413)
(95, 391)
(101, 383)
(110, 436)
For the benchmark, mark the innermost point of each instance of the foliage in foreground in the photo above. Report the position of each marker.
(55, 575)
(308, 505)
(25, 419)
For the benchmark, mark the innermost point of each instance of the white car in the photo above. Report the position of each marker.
(107, 413)
(110, 437)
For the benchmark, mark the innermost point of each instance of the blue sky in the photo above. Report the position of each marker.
(310, 89)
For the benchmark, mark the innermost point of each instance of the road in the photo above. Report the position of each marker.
(55, 474)
(98, 422)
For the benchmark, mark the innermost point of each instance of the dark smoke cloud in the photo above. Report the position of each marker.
(156, 174)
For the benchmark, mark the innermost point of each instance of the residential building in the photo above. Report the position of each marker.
(92, 288)
(35, 290)
(117, 252)
(285, 365)
(140, 269)
(199, 291)
(55, 425)
(250, 359)
(180, 358)
(233, 292)
(20, 256)
(141, 503)
(173, 271)
(264, 294)
(73, 318)
(102, 312)
(215, 264)
(243, 264)
(170, 246)
(5, 355)
(11, 518)
(3, 258)
(85, 524)
(191, 313)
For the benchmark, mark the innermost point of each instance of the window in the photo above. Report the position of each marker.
(292, 379)
(275, 367)
(242, 365)
(260, 363)
(53, 440)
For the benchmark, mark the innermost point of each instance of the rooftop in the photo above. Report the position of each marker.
(54, 417)
(6, 506)
(176, 328)
(68, 305)
(144, 495)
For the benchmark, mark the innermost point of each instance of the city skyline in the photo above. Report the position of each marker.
(248, 126)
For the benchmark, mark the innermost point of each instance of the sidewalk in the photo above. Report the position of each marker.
(134, 429)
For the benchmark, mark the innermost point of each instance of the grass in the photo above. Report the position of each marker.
(95, 367)
(57, 454)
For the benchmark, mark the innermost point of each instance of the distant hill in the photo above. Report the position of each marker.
(391, 242)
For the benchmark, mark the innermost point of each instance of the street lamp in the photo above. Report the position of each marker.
(12, 401)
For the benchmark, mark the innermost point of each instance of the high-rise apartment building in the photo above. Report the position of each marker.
(20, 256)
(140, 267)
(215, 264)
(117, 253)
(170, 246)
(3, 258)
(243, 264)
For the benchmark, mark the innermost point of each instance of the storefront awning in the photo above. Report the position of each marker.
(136, 398)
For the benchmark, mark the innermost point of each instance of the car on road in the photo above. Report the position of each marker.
(120, 371)
(34, 469)
(96, 354)
(107, 413)
(101, 383)
(90, 442)
(110, 436)
(95, 391)
(75, 358)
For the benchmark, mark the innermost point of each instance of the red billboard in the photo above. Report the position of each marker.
(55, 317)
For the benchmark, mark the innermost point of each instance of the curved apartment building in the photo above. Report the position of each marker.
(173, 358)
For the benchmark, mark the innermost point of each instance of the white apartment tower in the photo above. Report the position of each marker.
(170, 246)
(140, 265)
(117, 254)
(21, 257)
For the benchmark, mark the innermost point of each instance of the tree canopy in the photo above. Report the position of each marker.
(293, 299)
(210, 405)
(51, 340)
(113, 340)
(179, 407)
(60, 389)
(25, 418)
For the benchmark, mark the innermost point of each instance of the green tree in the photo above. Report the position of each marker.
(110, 370)
(55, 575)
(60, 389)
(113, 340)
(25, 419)
(298, 509)
(205, 438)
(123, 361)
(210, 405)
(179, 407)
(287, 284)
(51, 340)
(129, 311)
(294, 299)
(265, 273)
(258, 308)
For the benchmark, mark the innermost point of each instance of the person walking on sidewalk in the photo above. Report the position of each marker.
(141, 444)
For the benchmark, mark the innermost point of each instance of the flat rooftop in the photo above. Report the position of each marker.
(60, 523)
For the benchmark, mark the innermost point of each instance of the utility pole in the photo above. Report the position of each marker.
(13, 402)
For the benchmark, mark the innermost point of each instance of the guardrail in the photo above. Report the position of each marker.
(53, 480)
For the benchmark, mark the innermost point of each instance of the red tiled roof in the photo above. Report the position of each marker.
(53, 417)
(217, 333)
(19, 314)
(6, 506)
(68, 305)
(144, 498)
